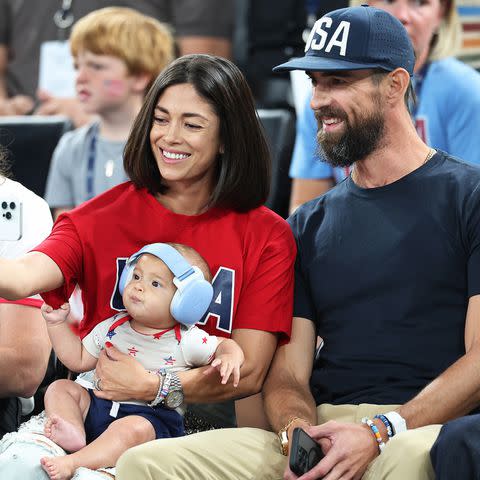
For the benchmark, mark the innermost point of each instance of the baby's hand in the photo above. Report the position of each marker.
(228, 364)
(55, 317)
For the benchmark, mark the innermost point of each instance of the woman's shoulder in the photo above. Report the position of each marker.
(452, 73)
(266, 222)
(120, 198)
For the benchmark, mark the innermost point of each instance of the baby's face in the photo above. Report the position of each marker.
(148, 295)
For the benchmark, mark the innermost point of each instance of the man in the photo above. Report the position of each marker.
(387, 274)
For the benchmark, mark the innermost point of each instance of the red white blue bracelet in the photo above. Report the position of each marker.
(376, 433)
(387, 424)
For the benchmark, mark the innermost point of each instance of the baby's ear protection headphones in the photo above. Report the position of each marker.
(194, 293)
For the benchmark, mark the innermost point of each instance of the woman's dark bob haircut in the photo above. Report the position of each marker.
(243, 169)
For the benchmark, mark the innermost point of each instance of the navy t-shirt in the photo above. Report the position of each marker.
(386, 274)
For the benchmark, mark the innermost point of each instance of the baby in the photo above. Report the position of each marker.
(165, 289)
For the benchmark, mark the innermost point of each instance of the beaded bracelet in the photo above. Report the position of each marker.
(387, 424)
(376, 433)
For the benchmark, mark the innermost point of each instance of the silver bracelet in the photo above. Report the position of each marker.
(159, 397)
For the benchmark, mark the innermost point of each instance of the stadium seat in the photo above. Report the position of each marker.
(30, 142)
(279, 126)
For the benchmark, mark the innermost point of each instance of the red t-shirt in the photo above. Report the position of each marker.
(251, 257)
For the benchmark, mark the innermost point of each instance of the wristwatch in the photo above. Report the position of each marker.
(174, 398)
(283, 434)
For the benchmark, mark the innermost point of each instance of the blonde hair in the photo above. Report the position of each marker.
(447, 40)
(142, 42)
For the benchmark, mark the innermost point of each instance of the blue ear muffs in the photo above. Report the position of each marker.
(194, 293)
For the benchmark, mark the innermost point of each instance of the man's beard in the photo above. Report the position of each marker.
(355, 143)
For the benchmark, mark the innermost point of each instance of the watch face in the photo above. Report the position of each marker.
(174, 398)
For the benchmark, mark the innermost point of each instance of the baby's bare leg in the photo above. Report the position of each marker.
(121, 435)
(66, 406)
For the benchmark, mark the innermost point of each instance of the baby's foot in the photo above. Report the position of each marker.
(58, 468)
(64, 434)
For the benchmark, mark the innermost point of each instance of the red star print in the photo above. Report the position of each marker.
(204, 340)
(133, 351)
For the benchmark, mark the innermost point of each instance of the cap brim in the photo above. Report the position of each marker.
(323, 64)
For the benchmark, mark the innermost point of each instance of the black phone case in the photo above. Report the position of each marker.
(305, 452)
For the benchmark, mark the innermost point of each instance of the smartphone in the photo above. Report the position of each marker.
(305, 452)
(10, 218)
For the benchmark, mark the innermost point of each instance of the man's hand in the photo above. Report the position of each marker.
(18, 105)
(122, 377)
(348, 448)
(55, 317)
(69, 107)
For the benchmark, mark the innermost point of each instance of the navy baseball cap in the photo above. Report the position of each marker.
(355, 38)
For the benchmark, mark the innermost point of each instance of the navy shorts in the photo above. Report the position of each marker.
(167, 423)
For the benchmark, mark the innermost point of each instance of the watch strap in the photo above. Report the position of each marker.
(397, 422)
(283, 434)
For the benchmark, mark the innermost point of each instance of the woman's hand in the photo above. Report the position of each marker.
(123, 378)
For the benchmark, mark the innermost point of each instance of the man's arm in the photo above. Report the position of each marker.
(18, 105)
(24, 350)
(3, 68)
(124, 378)
(286, 391)
(25, 276)
(221, 47)
(70, 107)
(453, 393)
(457, 390)
(305, 189)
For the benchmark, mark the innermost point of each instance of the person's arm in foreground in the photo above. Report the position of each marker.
(305, 189)
(67, 345)
(286, 392)
(24, 350)
(25, 276)
(453, 393)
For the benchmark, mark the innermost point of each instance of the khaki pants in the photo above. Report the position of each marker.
(251, 453)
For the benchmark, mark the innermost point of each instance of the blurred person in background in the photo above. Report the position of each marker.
(33, 44)
(118, 53)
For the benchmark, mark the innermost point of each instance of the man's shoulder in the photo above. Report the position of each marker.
(457, 168)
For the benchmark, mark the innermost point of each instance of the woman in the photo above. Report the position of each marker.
(448, 96)
(24, 344)
(199, 165)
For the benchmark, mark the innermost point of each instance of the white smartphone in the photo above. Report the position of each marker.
(10, 218)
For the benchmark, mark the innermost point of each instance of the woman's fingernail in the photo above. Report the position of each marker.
(108, 344)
